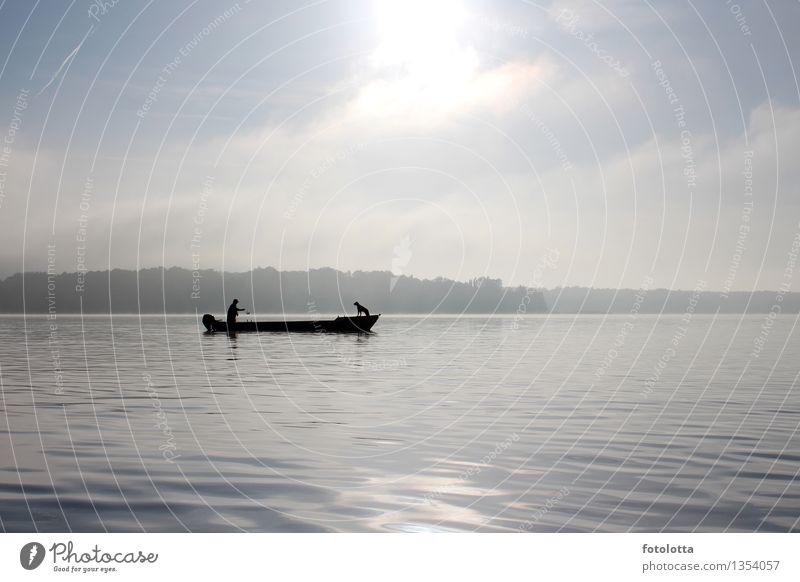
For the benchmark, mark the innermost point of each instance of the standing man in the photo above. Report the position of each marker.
(233, 313)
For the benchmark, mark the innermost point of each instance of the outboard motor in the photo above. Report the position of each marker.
(208, 322)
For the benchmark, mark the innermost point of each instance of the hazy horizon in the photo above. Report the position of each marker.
(409, 275)
(266, 290)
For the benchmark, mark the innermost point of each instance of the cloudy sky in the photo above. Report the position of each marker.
(620, 139)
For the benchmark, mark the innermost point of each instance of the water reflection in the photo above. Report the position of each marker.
(434, 424)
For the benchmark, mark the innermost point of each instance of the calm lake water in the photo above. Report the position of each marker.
(559, 423)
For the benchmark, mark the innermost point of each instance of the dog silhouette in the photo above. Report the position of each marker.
(361, 309)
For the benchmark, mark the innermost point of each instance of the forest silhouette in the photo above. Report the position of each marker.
(329, 291)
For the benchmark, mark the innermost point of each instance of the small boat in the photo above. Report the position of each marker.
(358, 324)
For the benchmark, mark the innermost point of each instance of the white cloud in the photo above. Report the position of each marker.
(462, 89)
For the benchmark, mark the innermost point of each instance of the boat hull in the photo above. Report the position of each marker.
(362, 324)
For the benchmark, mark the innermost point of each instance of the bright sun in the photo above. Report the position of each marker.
(425, 69)
(422, 37)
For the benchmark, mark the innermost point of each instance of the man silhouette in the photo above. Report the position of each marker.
(233, 313)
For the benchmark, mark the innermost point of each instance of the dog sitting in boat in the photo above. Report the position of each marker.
(208, 322)
(361, 309)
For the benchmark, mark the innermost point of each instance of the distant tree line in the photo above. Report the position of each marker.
(328, 291)
(265, 290)
(590, 300)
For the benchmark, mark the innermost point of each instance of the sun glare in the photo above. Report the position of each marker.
(429, 66)
(419, 35)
